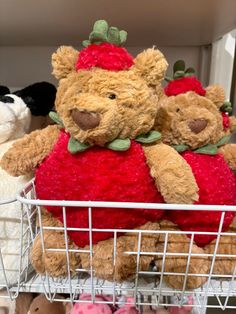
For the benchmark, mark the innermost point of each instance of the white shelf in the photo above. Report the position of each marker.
(160, 22)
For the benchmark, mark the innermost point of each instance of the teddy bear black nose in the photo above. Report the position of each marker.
(198, 125)
(85, 120)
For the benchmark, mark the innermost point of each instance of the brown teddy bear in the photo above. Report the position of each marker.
(192, 120)
(104, 149)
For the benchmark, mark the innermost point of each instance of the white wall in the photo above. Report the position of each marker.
(223, 52)
(21, 66)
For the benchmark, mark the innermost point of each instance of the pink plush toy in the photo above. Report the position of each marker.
(99, 308)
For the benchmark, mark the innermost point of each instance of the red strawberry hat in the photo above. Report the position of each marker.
(103, 49)
(183, 81)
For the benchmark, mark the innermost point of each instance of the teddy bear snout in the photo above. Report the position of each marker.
(197, 125)
(86, 120)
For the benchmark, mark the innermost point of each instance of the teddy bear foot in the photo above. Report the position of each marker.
(122, 266)
(179, 243)
(53, 262)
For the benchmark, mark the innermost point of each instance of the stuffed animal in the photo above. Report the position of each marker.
(103, 149)
(16, 111)
(193, 121)
(103, 308)
(41, 305)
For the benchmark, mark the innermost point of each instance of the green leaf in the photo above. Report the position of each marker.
(55, 117)
(101, 26)
(227, 104)
(86, 43)
(123, 37)
(97, 36)
(190, 70)
(114, 36)
(210, 149)
(180, 148)
(223, 141)
(168, 78)
(179, 74)
(119, 144)
(188, 74)
(148, 138)
(75, 146)
(179, 66)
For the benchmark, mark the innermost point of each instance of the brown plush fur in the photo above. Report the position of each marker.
(130, 113)
(227, 245)
(28, 152)
(216, 94)
(125, 264)
(182, 191)
(53, 262)
(180, 243)
(173, 117)
(41, 305)
(229, 153)
(176, 112)
(64, 61)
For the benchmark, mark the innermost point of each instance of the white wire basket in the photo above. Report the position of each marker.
(147, 287)
(14, 263)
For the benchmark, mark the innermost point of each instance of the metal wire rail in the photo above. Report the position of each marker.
(147, 287)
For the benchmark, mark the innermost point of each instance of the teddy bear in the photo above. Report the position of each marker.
(194, 121)
(104, 148)
(16, 112)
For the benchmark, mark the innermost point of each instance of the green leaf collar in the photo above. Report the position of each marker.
(210, 149)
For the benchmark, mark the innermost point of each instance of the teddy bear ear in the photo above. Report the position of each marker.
(151, 65)
(64, 61)
(216, 94)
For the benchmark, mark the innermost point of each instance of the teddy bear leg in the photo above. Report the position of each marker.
(227, 246)
(122, 266)
(53, 262)
(180, 243)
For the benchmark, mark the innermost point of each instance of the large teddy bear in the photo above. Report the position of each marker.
(195, 122)
(103, 149)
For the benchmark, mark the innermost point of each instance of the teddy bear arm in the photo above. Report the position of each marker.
(172, 175)
(28, 152)
(229, 153)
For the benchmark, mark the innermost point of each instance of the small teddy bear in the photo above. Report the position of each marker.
(191, 120)
(16, 112)
(103, 149)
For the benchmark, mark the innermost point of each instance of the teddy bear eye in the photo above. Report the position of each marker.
(112, 96)
(177, 110)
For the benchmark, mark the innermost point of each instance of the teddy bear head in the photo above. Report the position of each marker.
(190, 116)
(104, 94)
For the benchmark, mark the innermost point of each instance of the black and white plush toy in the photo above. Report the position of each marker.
(16, 112)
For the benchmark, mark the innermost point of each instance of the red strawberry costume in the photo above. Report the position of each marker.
(98, 174)
(217, 185)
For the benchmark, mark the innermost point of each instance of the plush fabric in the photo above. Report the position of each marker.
(15, 120)
(225, 120)
(184, 85)
(105, 56)
(10, 223)
(39, 97)
(210, 173)
(100, 308)
(120, 177)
